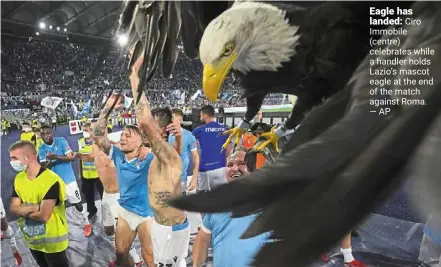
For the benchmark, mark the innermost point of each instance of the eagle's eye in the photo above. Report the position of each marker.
(229, 47)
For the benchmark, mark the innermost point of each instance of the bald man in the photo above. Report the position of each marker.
(224, 232)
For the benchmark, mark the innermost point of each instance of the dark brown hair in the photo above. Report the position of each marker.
(208, 110)
(134, 129)
(163, 116)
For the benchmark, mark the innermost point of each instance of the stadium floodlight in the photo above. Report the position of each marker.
(50, 27)
(67, 38)
(42, 25)
(58, 28)
(37, 33)
(65, 29)
(122, 40)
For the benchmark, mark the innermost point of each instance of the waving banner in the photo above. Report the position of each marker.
(74, 108)
(51, 102)
(127, 101)
(86, 107)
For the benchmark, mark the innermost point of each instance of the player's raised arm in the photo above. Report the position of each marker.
(147, 123)
(100, 128)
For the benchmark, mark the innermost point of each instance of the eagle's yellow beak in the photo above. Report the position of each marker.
(214, 76)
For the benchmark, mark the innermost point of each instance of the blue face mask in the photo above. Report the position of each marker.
(16, 165)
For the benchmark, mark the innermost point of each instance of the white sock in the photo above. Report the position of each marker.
(134, 254)
(9, 234)
(111, 238)
(85, 219)
(347, 254)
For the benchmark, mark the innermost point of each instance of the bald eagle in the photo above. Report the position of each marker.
(342, 161)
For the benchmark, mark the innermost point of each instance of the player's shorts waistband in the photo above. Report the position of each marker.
(174, 228)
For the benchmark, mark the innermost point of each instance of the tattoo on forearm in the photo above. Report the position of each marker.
(162, 198)
(100, 127)
(163, 150)
(159, 147)
(97, 130)
(106, 146)
(142, 105)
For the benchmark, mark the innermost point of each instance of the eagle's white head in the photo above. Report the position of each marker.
(248, 36)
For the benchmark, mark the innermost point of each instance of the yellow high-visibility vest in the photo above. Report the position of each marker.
(88, 168)
(27, 136)
(109, 123)
(38, 142)
(52, 236)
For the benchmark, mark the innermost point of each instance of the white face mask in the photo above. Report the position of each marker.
(86, 135)
(26, 129)
(16, 165)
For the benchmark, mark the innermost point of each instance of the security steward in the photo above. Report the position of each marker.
(89, 174)
(120, 120)
(27, 133)
(38, 139)
(38, 202)
(109, 124)
(34, 124)
(8, 126)
(5, 127)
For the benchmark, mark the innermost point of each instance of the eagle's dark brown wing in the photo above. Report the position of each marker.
(314, 194)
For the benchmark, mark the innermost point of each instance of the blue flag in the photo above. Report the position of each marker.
(86, 107)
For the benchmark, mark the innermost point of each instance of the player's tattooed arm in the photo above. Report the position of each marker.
(100, 127)
(100, 130)
(161, 148)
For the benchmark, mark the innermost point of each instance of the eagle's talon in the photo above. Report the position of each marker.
(236, 134)
(272, 138)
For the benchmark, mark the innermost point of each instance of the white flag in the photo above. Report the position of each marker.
(74, 108)
(127, 101)
(51, 102)
(193, 97)
(182, 100)
(284, 98)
